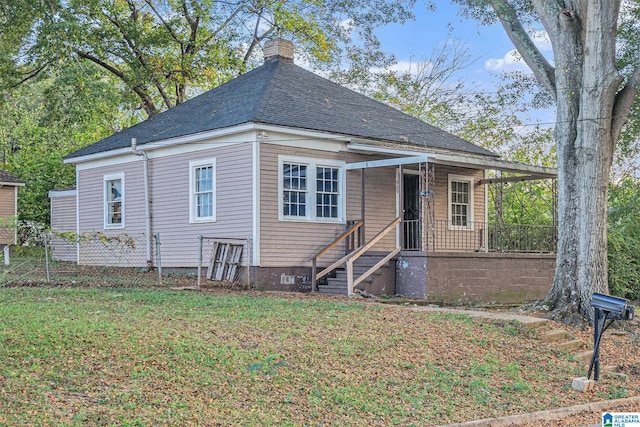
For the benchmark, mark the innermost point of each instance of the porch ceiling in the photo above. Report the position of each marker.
(529, 172)
(533, 171)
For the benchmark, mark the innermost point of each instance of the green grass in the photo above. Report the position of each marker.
(157, 357)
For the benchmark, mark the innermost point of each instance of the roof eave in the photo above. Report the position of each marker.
(495, 164)
(154, 145)
(457, 159)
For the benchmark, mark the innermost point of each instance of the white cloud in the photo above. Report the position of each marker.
(411, 67)
(347, 24)
(512, 61)
(406, 66)
(541, 39)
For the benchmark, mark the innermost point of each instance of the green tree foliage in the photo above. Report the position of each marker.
(624, 239)
(73, 72)
(628, 148)
(164, 51)
(432, 91)
(42, 122)
(595, 99)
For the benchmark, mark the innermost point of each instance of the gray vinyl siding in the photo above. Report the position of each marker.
(282, 243)
(380, 201)
(63, 220)
(442, 173)
(63, 213)
(234, 203)
(169, 183)
(293, 243)
(456, 239)
(127, 247)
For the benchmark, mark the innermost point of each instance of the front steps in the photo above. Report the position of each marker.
(380, 282)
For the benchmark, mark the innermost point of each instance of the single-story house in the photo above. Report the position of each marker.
(303, 172)
(8, 208)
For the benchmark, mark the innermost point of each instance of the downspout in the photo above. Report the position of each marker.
(147, 202)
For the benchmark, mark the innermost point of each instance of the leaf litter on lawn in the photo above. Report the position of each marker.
(158, 357)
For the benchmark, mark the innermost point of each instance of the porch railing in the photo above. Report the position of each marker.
(353, 228)
(480, 237)
(350, 258)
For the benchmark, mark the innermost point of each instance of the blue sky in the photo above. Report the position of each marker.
(489, 47)
(417, 38)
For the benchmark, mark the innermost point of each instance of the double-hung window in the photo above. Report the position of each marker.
(202, 189)
(311, 189)
(294, 190)
(460, 202)
(327, 192)
(114, 200)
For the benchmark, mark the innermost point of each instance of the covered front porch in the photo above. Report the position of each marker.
(443, 222)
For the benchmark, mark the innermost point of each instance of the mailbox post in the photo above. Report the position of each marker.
(606, 308)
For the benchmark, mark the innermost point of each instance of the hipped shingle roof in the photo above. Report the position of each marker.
(283, 94)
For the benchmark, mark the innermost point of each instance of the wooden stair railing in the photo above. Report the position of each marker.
(314, 275)
(352, 257)
(349, 259)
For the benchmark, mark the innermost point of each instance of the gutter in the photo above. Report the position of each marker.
(147, 201)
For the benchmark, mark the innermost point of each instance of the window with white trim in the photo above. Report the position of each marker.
(294, 193)
(311, 189)
(202, 190)
(327, 191)
(460, 202)
(114, 201)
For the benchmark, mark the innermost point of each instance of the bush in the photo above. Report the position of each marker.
(624, 239)
(31, 233)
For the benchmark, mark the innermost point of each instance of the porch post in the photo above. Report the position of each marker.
(401, 203)
(362, 203)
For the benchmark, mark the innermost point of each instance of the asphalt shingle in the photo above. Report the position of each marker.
(6, 177)
(284, 94)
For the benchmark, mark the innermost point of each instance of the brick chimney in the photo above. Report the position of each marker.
(278, 48)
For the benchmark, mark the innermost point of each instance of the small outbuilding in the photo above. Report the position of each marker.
(9, 186)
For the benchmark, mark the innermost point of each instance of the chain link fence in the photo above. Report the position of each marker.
(119, 260)
(87, 259)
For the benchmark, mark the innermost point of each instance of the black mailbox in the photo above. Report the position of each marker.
(605, 308)
(617, 308)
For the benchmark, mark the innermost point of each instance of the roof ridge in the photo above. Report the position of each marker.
(266, 95)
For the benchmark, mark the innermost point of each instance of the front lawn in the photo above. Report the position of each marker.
(160, 357)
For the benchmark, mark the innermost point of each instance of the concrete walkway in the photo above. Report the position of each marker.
(552, 415)
(529, 321)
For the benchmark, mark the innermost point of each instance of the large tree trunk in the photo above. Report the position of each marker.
(584, 81)
(586, 84)
(592, 108)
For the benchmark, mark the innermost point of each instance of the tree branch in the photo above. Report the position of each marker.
(225, 23)
(257, 38)
(541, 68)
(113, 70)
(31, 74)
(623, 103)
(147, 102)
(141, 59)
(170, 29)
